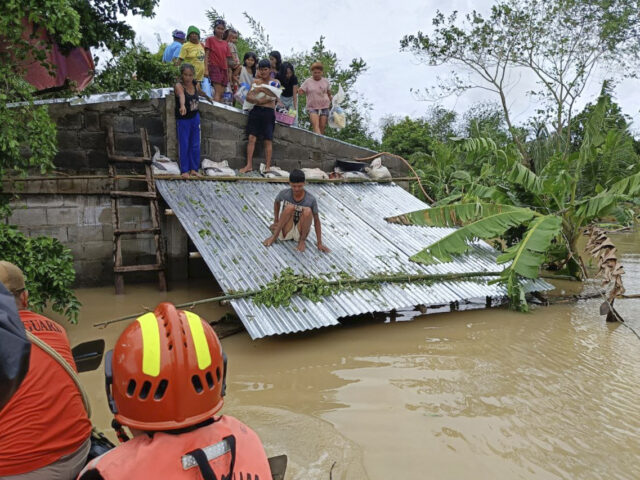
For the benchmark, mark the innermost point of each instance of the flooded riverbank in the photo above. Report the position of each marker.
(479, 394)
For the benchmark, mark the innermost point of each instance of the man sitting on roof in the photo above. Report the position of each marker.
(299, 209)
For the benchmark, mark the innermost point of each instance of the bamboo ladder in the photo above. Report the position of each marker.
(116, 194)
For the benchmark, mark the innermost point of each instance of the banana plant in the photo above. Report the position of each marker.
(546, 208)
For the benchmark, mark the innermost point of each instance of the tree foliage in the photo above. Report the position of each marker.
(48, 269)
(135, 70)
(539, 217)
(27, 134)
(103, 22)
(559, 43)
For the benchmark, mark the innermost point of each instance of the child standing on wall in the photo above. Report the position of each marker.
(318, 92)
(188, 120)
(247, 76)
(233, 62)
(217, 52)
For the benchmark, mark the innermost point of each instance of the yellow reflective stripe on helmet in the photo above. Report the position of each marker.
(150, 344)
(199, 340)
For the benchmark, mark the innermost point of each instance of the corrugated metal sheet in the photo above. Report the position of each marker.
(228, 221)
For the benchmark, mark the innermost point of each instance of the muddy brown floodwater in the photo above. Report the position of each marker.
(479, 394)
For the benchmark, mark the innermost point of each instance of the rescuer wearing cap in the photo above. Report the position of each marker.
(165, 380)
(173, 51)
(44, 428)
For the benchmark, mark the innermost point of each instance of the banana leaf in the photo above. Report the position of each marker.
(456, 214)
(521, 175)
(527, 255)
(490, 226)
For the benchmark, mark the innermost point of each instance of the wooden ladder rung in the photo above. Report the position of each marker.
(138, 268)
(120, 193)
(135, 231)
(123, 159)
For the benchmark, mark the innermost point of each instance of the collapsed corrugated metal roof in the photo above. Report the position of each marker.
(227, 222)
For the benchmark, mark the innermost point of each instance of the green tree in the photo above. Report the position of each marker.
(103, 23)
(560, 43)
(407, 136)
(27, 134)
(48, 269)
(548, 209)
(135, 70)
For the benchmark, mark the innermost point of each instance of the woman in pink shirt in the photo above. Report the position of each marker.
(318, 92)
(216, 54)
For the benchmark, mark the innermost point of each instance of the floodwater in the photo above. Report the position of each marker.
(481, 394)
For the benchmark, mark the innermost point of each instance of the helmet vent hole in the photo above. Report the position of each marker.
(131, 388)
(144, 391)
(171, 346)
(209, 378)
(197, 384)
(218, 373)
(162, 387)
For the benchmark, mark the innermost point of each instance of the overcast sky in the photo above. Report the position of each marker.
(370, 29)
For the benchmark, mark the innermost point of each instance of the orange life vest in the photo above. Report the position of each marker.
(230, 449)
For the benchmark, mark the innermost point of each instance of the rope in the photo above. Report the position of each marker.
(63, 363)
(366, 159)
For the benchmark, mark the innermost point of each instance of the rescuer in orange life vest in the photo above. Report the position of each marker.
(165, 380)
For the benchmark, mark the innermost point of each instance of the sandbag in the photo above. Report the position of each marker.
(217, 169)
(274, 172)
(377, 171)
(315, 174)
(361, 175)
(162, 165)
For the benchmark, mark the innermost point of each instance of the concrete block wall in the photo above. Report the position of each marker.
(77, 211)
(83, 224)
(82, 131)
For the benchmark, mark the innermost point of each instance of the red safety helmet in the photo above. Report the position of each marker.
(167, 371)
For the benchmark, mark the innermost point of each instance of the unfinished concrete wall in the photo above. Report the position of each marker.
(78, 213)
(77, 210)
(82, 141)
(81, 131)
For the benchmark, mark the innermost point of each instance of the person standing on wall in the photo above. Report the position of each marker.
(261, 103)
(289, 81)
(318, 92)
(188, 120)
(217, 53)
(193, 52)
(172, 52)
(44, 428)
(166, 378)
(275, 59)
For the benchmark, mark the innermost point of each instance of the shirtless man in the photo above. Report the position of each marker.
(299, 210)
(262, 118)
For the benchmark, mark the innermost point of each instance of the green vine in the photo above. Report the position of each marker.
(279, 291)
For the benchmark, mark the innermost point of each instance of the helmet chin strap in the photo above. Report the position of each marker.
(119, 429)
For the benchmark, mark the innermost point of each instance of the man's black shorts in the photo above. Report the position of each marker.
(261, 122)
